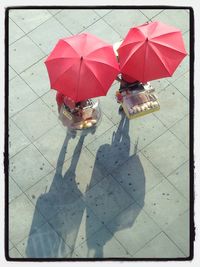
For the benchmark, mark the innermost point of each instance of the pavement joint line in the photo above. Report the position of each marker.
(181, 92)
(78, 32)
(150, 18)
(116, 31)
(96, 137)
(30, 65)
(24, 191)
(62, 24)
(178, 168)
(174, 242)
(14, 247)
(27, 67)
(27, 33)
(179, 139)
(31, 142)
(38, 97)
(163, 228)
(95, 10)
(148, 242)
(53, 15)
(16, 113)
(104, 225)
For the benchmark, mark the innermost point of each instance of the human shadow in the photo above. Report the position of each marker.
(113, 205)
(62, 207)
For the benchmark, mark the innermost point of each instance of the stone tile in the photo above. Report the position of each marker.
(137, 176)
(113, 147)
(29, 19)
(56, 137)
(12, 73)
(102, 245)
(20, 95)
(28, 167)
(77, 20)
(54, 11)
(73, 255)
(159, 84)
(166, 153)
(164, 204)
(37, 77)
(104, 32)
(15, 32)
(75, 223)
(133, 228)
(179, 232)
(144, 130)
(92, 136)
(160, 247)
(13, 191)
(17, 140)
(47, 35)
(181, 69)
(23, 53)
(21, 213)
(35, 120)
(107, 199)
(102, 12)
(128, 19)
(151, 13)
(44, 195)
(180, 178)
(181, 130)
(10, 244)
(89, 225)
(173, 106)
(110, 106)
(54, 192)
(14, 253)
(183, 84)
(175, 17)
(85, 169)
(43, 243)
(50, 99)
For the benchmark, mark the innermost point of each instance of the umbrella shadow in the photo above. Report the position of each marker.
(61, 207)
(111, 211)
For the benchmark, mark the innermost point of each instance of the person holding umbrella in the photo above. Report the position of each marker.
(77, 68)
(148, 52)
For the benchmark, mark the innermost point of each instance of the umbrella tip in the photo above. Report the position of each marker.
(81, 57)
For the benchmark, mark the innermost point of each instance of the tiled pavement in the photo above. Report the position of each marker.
(121, 192)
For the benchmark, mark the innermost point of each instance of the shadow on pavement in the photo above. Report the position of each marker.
(106, 206)
(63, 208)
(60, 207)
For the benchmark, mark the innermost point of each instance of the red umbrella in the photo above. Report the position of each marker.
(151, 51)
(82, 66)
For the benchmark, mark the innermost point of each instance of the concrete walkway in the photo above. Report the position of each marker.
(121, 192)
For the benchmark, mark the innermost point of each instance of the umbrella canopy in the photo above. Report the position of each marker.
(151, 51)
(82, 66)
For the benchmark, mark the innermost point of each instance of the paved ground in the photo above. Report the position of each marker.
(121, 192)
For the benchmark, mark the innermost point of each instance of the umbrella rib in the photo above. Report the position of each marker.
(56, 58)
(96, 78)
(62, 74)
(94, 51)
(130, 55)
(160, 58)
(78, 81)
(66, 43)
(167, 46)
(101, 62)
(157, 36)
